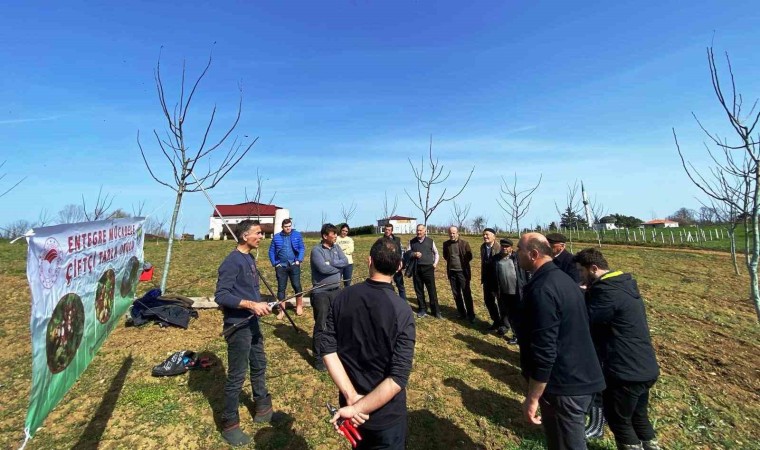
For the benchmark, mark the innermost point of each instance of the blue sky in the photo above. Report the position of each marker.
(340, 94)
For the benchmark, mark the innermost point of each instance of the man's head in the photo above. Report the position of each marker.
(344, 229)
(591, 265)
(453, 233)
(287, 226)
(506, 246)
(384, 258)
(249, 233)
(329, 233)
(489, 236)
(557, 242)
(421, 231)
(388, 230)
(533, 251)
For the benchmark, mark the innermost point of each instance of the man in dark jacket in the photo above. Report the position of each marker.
(237, 292)
(458, 255)
(490, 253)
(562, 258)
(425, 257)
(398, 277)
(368, 348)
(621, 334)
(511, 280)
(556, 352)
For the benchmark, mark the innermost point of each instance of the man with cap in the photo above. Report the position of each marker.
(511, 281)
(562, 258)
(489, 254)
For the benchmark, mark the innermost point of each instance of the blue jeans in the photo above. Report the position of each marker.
(346, 274)
(283, 273)
(245, 351)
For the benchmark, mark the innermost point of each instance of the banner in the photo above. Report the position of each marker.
(83, 278)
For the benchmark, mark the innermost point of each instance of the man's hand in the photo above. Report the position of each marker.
(349, 413)
(417, 255)
(298, 263)
(530, 411)
(258, 308)
(352, 401)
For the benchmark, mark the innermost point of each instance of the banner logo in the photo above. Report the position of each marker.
(50, 263)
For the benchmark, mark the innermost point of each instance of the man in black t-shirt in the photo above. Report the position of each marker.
(368, 347)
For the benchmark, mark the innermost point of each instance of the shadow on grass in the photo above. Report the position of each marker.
(92, 434)
(498, 409)
(210, 382)
(487, 349)
(280, 435)
(451, 312)
(428, 431)
(298, 341)
(502, 372)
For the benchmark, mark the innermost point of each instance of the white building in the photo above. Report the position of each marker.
(660, 223)
(270, 217)
(401, 224)
(606, 223)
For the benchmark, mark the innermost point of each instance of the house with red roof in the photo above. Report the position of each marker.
(270, 216)
(660, 223)
(401, 224)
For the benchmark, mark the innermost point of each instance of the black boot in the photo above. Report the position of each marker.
(263, 410)
(651, 445)
(235, 436)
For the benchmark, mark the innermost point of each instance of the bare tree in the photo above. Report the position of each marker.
(426, 201)
(479, 223)
(347, 212)
(255, 207)
(15, 229)
(388, 210)
(100, 210)
(459, 215)
(179, 156)
(570, 213)
(71, 214)
(735, 180)
(515, 202)
(44, 218)
(137, 211)
(3, 175)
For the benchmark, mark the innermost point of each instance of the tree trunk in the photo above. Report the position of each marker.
(752, 267)
(732, 239)
(172, 226)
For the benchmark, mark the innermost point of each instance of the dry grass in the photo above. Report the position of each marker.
(465, 388)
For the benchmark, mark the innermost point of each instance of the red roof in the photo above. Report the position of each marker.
(246, 209)
(659, 221)
(400, 218)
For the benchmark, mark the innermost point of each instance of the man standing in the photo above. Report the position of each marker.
(562, 258)
(489, 254)
(368, 347)
(556, 352)
(237, 292)
(398, 277)
(621, 334)
(458, 255)
(511, 281)
(426, 254)
(286, 254)
(327, 263)
(347, 245)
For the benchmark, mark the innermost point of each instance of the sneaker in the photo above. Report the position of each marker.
(502, 331)
(651, 445)
(512, 341)
(235, 436)
(421, 314)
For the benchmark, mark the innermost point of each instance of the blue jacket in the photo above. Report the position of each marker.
(296, 241)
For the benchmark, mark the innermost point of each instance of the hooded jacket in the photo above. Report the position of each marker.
(619, 329)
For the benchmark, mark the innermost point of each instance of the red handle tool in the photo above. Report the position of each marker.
(345, 427)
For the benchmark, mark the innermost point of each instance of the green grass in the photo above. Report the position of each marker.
(464, 392)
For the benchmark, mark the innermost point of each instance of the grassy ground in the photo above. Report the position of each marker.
(464, 392)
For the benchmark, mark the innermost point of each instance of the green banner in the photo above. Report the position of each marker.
(83, 278)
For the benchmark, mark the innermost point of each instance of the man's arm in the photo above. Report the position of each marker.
(299, 248)
(467, 252)
(341, 261)
(320, 264)
(530, 405)
(272, 252)
(545, 333)
(435, 252)
(224, 297)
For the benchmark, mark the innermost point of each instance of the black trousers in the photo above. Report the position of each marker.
(491, 299)
(424, 277)
(391, 438)
(564, 420)
(245, 353)
(625, 408)
(398, 280)
(510, 307)
(320, 305)
(460, 288)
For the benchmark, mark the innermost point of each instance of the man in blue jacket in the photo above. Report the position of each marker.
(556, 352)
(237, 292)
(620, 332)
(286, 254)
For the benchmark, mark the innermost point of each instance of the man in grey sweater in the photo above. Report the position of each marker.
(327, 263)
(511, 282)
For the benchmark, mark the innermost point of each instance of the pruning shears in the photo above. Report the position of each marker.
(345, 427)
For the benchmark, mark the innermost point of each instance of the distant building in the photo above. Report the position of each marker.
(660, 223)
(401, 224)
(234, 214)
(606, 223)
